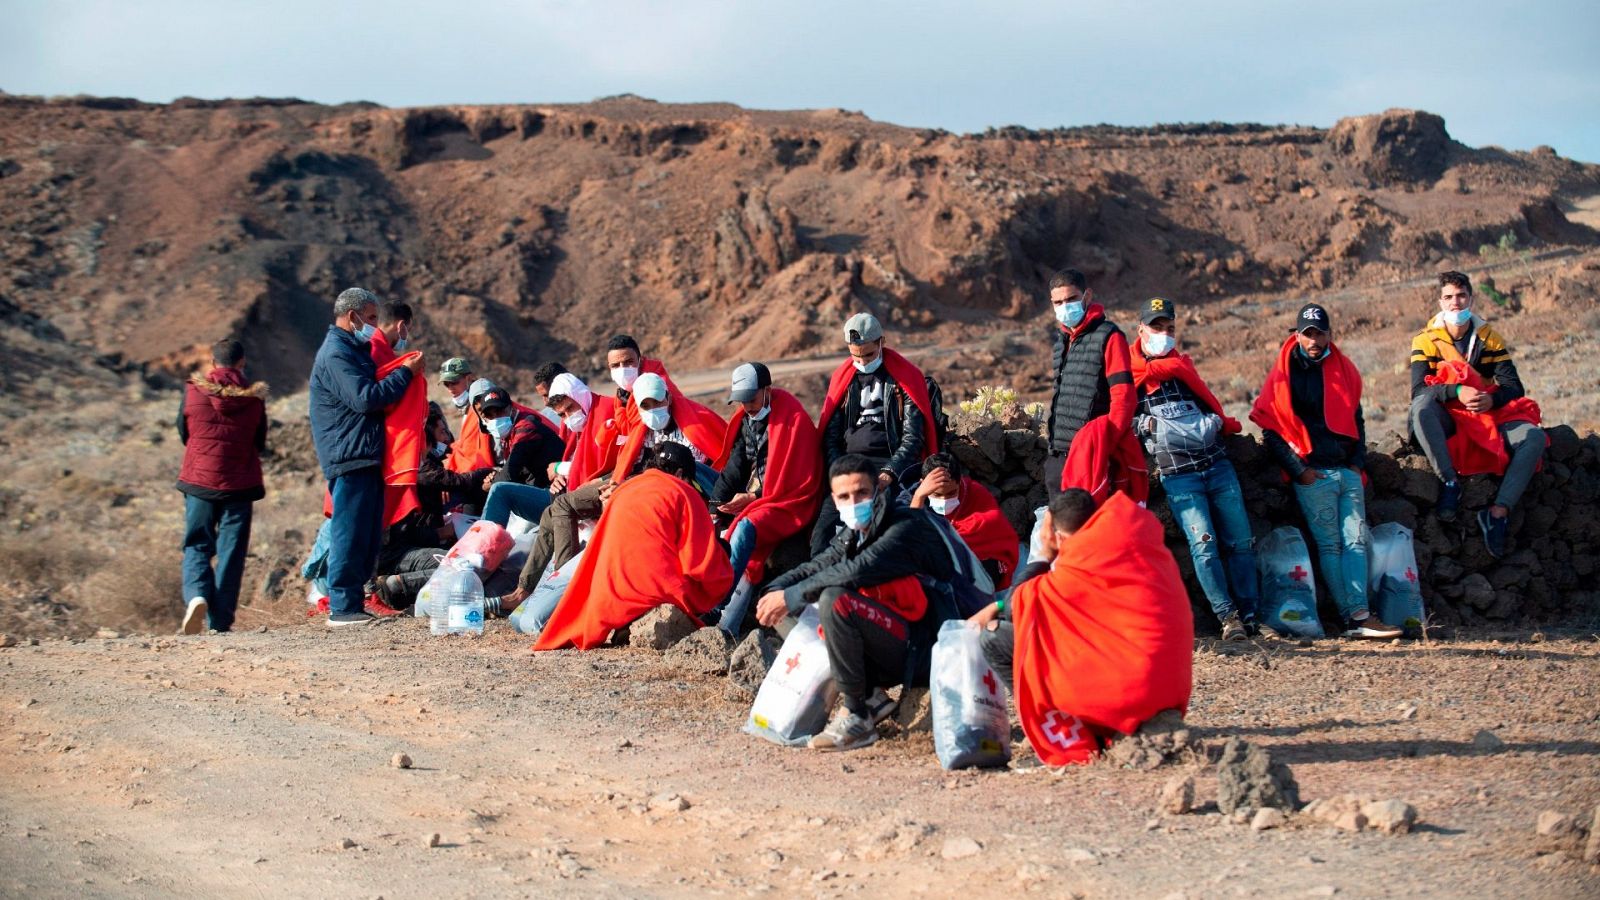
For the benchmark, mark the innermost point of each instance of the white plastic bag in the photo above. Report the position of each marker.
(970, 725)
(1392, 581)
(795, 697)
(1035, 537)
(531, 614)
(460, 522)
(1288, 588)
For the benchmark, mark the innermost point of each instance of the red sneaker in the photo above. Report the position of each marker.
(321, 609)
(376, 607)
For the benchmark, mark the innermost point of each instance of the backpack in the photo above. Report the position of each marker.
(941, 422)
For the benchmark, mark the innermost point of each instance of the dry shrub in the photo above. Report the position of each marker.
(38, 559)
(139, 589)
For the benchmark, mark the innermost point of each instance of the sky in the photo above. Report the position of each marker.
(1513, 74)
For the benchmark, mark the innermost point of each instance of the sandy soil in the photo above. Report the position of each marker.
(235, 764)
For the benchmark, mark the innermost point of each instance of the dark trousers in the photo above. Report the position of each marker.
(413, 567)
(999, 650)
(354, 536)
(557, 541)
(220, 531)
(1433, 427)
(866, 644)
(1053, 464)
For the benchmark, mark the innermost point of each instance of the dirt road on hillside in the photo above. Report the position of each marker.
(259, 764)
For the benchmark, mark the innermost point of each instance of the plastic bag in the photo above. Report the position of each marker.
(1288, 588)
(1392, 581)
(531, 614)
(970, 725)
(486, 540)
(1035, 538)
(797, 694)
(459, 522)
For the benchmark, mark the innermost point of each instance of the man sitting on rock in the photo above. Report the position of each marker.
(1104, 640)
(865, 584)
(1310, 417)
(878, 407)
(946, 490)
(664, 415)
(655, 544)
(1468, 410)
(1182, 423)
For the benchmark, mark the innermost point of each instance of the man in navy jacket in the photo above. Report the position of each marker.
(347, 410)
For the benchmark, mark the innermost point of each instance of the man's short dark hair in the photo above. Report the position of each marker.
(674, 459)
(1069, 278)
(227, 352)
(1071, 508)
(945, 461)
(548, 372)
(623, 342)
(853, 464)
(392, 311)
(1459, 279)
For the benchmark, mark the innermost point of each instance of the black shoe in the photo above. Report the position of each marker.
(1449, 501)
(1494, 533)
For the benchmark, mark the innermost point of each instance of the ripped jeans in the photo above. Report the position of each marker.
(1335, 507)
(1209, 507)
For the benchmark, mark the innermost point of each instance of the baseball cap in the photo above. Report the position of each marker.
(747, 380)
(862, 328)
(1157, 308)
(1312, 316)
(479, 388)
(493, 398)
(454, 369)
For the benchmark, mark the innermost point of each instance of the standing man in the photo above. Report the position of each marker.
(1093, 390)
(223, 425)
(1310, 416)
(1182, 423)
(393, 333)
(347, 411)
(1468, 409)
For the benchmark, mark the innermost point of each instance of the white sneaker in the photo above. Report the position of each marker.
(194, 617)
(847, 731)
(879, 704)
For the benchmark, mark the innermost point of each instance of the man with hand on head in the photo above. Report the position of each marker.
(946, 490)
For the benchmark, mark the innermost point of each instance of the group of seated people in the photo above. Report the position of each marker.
(644, 497)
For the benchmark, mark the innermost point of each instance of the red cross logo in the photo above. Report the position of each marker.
(1411, 576)
(988, 681)
(790, 663)
(1298, 574)
(1062, 729)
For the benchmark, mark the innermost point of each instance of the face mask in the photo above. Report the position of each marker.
(551, 416)
(498, 428)
(1070, 314)
(441, 449)
(760, 415)
(1457, 317)
(400, 345)
(1157, 344)
(868, 368)
(364, 333)
(944, 506)
(655, 419)
(460, 400)
(624, 377)
(855, 515)
(574, 421)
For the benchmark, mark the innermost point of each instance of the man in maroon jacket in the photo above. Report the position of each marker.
(223, 425)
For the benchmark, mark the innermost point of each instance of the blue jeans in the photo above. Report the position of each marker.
(355, 534)
(220, 530)
(741, 544)
(507, 497)
(1209, 507)
(1335, 508)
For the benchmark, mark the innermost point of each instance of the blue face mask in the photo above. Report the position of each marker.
(1070, 314)
(498, 428)
(855, 515)
(400, 345)
(364, 333)
(1456, 318)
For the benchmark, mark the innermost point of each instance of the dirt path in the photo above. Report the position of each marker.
(237, 764)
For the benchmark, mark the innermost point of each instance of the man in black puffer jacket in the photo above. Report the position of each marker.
(1091, 372)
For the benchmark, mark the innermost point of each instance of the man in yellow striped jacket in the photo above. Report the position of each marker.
(1474, 408)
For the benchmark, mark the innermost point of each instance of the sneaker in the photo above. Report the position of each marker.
(880, 706)
(1267, 631)
(1233, 628)
(1494, 533)
(194, 616)
(341, 620)
(1449, 501)
(1371, 629)
(847, 731)
(376, 607)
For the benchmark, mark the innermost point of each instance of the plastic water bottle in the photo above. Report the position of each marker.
(464, 601)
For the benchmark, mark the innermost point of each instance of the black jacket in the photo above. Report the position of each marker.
(421, 527)
(748, 460)
(904, 424)
(899, 541)
(534, 447)
(1328, 450)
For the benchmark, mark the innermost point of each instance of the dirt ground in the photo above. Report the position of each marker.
(232, 764)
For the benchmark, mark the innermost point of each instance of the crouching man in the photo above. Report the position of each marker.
(865, 584)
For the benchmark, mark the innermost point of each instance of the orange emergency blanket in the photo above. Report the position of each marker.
(792, 486)
(1105, 639)
(1478, 447)
(984, 528)
(1104, 458)
(1341, 395)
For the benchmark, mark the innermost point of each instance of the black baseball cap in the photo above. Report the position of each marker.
(1157, 308)
(1312, 316)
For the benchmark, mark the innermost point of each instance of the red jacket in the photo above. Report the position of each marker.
(223, 425)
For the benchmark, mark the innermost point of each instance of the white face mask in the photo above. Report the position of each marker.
(870, 367)
(1157, 343)
(624, 377)
(655, 419)
(1070, 314)
(574, 421)
(761, 415)
(459, 401)
(944, 506)
(498, 428)
(855, 515)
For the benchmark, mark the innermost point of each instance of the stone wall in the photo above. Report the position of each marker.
(1547, 577)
